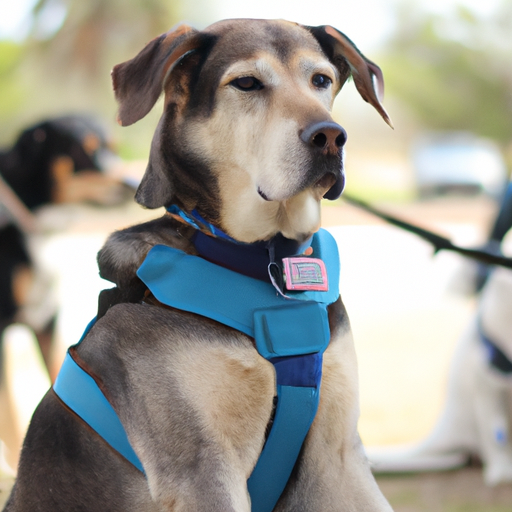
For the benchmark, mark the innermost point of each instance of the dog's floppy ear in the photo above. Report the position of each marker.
(367, 75)
(139, 82)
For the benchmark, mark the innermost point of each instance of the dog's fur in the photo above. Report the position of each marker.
(194, 396)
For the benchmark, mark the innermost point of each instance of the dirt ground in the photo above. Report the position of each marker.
(457, 491)
(419, 321)
(454, 491)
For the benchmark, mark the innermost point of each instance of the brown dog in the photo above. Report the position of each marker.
(247, 141)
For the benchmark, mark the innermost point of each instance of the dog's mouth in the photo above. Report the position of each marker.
(325, 183)
(322, 186)
(263, 195)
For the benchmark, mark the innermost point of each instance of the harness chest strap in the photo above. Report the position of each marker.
(292, 334)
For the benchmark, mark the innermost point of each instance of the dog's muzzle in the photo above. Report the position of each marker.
(325, 141)
(327, 138)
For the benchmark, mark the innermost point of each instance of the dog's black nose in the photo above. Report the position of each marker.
(328, 136)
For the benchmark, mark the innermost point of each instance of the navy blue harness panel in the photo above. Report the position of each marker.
(291, 333)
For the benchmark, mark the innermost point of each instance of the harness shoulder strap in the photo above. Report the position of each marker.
(78, 390)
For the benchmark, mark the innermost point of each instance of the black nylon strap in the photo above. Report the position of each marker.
(439, 242)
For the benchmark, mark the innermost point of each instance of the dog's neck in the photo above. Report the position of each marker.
(252, 260)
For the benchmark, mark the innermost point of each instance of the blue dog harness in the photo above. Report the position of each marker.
(290, 331)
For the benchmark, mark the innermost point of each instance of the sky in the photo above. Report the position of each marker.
(367, 21)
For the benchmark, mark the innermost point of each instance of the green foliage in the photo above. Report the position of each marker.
(454, 74)
(92, 33)
(12, 92)
(10, 53)
(64, 64)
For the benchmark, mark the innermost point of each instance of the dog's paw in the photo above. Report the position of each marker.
(498, 471)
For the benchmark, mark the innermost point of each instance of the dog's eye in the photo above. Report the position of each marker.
(247, 83)
(321, 81)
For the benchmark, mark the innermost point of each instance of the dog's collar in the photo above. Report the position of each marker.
(252, 260)
(195, 220)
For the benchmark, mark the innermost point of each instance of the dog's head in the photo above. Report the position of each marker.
(246, 136)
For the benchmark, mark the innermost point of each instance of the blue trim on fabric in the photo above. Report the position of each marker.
(79, 391)
(87, 329)
(215, 231)
(175, 210)
(197, 221)
(296, 410)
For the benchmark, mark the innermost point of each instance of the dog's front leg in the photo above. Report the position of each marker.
(333, 474)
(194, 397)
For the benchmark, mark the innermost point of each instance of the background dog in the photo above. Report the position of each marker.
(476, 421)
(247, 142)
(54, 172)
(61, 160)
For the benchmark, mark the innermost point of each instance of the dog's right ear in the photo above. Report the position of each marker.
(366, 74)
(139, 82)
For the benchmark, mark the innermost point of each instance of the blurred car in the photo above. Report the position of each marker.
(458, 162)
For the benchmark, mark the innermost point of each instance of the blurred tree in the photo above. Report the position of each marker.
(77, 34)
(12, 95)
(454, 72)
(64, 64)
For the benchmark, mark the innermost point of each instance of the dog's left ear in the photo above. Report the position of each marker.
(139, 82)
(367, 75)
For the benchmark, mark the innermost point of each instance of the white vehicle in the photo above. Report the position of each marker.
(458, 162)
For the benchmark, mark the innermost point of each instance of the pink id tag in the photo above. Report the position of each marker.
(305, 274)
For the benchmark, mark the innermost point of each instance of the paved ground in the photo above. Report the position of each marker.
(407, 319)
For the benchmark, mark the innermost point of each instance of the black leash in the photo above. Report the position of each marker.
(439, 242)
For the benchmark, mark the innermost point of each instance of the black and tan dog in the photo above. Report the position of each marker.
(56, 161)
(247, 141)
